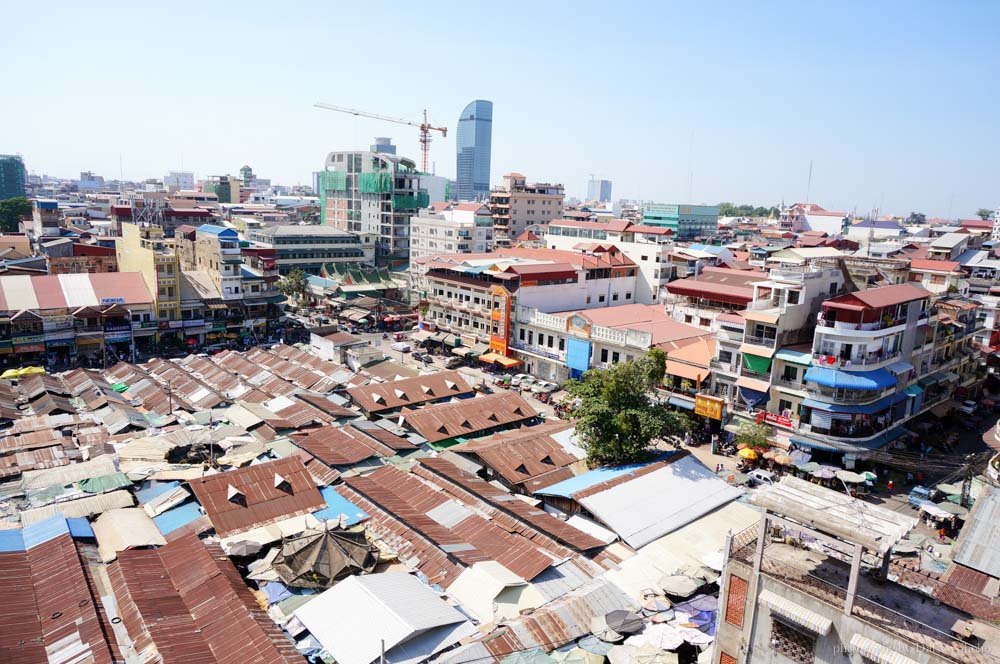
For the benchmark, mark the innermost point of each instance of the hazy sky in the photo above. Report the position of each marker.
(895, 103)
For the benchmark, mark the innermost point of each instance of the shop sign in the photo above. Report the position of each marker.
(28, 339)
(772, 418)
(57, 323)
(708, 406)
(194, 322)
(117, 338)
(499, 320)
(175, 324)
(31, 348)
(112, 300)
(59, 336)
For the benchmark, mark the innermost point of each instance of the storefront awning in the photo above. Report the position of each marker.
(681, 402)
(900, 367)
(815, 445)
(745, 382)
(851, 380)
(753, 397)
(420, 335)
(876, 652)
(754, 349)
(796, 613)
(688, 371)
(756, 363)
(794, 356)
(436, 338)
(508, 362)
(913, 390)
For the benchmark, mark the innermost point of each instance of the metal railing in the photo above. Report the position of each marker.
(769, 342)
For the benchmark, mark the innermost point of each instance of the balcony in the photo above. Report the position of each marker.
(792, 384)
(757, 375)
(727, 367)
(862, 329)
(767, 342)
(846, 396)
(858, 360)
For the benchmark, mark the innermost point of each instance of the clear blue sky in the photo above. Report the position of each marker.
(894, 102)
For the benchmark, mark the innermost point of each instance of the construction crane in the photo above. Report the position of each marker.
(425, 127)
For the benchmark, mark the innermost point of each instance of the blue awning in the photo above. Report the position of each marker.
(851, 380)
(803, 442)
(752, 397)
(794, 356)
(681, 402)
(868, 408)
(913, 390)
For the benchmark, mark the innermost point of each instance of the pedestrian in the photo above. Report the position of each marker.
(909, 478)
(941, 533)
(889, 486)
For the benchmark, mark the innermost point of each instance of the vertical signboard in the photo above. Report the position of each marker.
(499, 320)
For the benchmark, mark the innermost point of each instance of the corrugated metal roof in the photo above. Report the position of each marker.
(978, 546)
(336, 446)
(352, 619)
(39, 479)
(177, 517)
(645, 506)
(469, 417)
(567, 488)
(522, 456)
(379, 397)
(262, 501)
(124, 528)
(80, 507)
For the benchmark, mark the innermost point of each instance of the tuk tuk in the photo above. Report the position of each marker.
(918, 495)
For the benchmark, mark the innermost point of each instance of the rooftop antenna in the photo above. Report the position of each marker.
(691, 168)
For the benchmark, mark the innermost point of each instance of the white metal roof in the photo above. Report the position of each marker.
(649, 506)
(354, 617)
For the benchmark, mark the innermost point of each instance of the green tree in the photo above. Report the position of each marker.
(984, 213)
(294, 284)
(916, 218)
(617, 420)
(11, 210)
(753, 435)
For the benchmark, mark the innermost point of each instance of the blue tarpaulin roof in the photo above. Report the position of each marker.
(805, 442)
(914, 390)
(868, 408)
(217, 230)
(80, 527)
(851, 380)
(567, 488)
(22, 539)
(155, 489)
(177, 517)
(336, 505)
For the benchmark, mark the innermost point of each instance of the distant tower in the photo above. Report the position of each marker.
(472, 147)
(996, 225)
(246, 174)
(383, 145)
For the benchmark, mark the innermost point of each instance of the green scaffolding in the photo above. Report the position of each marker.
(423, 199)
(333, 181)
(375, 183)
(404, 202)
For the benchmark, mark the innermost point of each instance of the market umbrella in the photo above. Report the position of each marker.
(695, 636)
(950, 489)
(869, 476)
(699, 603)
(680, 585)
(600, 628)
(824, 473)
(706, 574)
(747, 453)
(810, 467)
(655, 605)
(850, 477)
(769, 454)
(661, 637)
(662, 616)
(742, 446)
(703, 621)
(952, 508)
(243, 548)
(318, 557)
(624, 622)
(782, 459)
(533, 656)
(594, 645)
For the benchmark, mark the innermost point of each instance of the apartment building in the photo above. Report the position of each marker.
(44, 218)
(561, 345)
(518, 204)
(473, 296)
(225, 187)
(71, 318)
(451, 228)
(698, 300)
(817, 580)
(374, 194)
(310, 247)
(70, 257)
(146, 249)
(938, 277)
(685, 221)
(649, 247)
(781, 313)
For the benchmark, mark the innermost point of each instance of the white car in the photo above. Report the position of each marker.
(760, 477)
(968, 407)
(519, 378)
(544, 387)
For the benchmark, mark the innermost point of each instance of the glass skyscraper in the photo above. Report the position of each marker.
(475, 133)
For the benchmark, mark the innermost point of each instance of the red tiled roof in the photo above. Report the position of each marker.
(886, 296)
(265, 503)
(527, 236)
(937, 266)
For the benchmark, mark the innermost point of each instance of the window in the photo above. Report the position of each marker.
(615, 357)
(600, 298)
(793, 296)
(531, 337)
(614, 297)
(794, 644)
(791, 374)
(552, 341)
(736, 601)
(645, 258)
(604, 355)
(521, 334)
(588, 297)
(784, 405)
(562, 344)
(628, 296)
(704, 322)
(688, 318)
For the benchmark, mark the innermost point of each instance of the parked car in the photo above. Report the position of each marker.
(544, 387)
(453, 362)
(401, 347)
(760, 477)
(516, 380)
(968, 407)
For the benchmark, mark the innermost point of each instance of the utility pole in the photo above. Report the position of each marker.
(967, 482)
(170, 398)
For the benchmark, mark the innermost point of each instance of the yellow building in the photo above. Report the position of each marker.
(144, 249)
